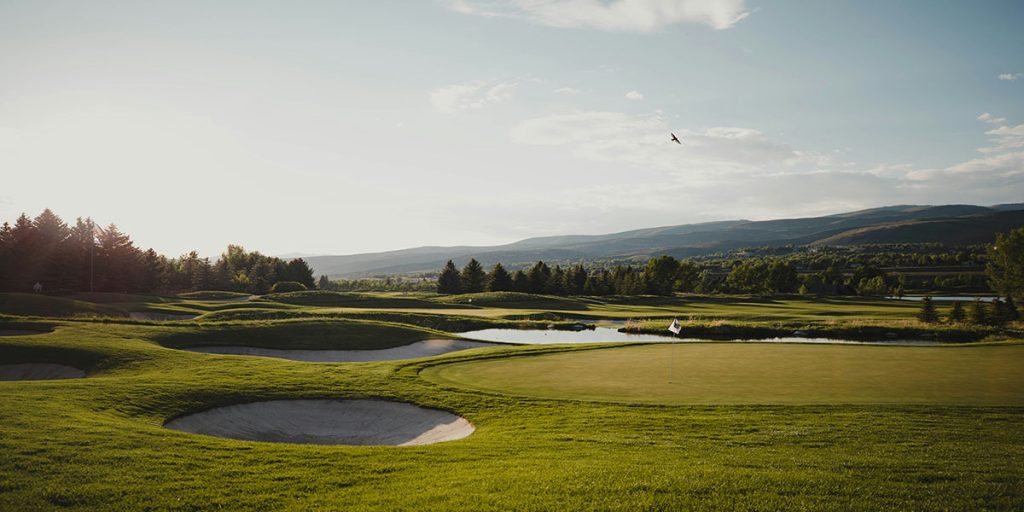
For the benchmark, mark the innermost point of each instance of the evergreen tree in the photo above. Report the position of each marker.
(556, 283)
(977, 314)
(473, 278)
(324, 283)
(499, 280)
(956, 314)
(539, 275)
(576, 280)
(448, 279)
(520, 282)
(928, 314)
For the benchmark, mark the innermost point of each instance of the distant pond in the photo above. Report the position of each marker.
(610, 335)
(947, 298)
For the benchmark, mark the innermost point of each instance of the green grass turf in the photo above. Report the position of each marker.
(757, 373)
(97, 443)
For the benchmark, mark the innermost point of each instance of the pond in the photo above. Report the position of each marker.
(610, 335)
(946, 298)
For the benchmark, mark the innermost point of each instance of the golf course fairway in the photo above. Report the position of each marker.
(755, 373)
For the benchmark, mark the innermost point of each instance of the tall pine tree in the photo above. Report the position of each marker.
(448, 280)
(473, 277)
(499, 280)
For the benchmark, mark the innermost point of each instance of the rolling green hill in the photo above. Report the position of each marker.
(948, 224)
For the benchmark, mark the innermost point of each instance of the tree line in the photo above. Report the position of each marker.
(83, 257)
(997, 312)
(665, 275)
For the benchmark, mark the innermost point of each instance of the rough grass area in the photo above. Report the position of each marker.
(759, 373)
(98, 443)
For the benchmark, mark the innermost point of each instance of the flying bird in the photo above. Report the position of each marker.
(674, 138)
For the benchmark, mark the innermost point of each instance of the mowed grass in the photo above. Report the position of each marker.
(98, 443)
(756, 373)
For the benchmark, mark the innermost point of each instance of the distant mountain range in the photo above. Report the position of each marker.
(947, 224)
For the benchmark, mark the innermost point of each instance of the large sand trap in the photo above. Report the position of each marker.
(353, 422)
(39, 371)
(425, 348)
(160, 317)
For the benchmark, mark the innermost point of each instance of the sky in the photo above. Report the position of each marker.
(325, 127)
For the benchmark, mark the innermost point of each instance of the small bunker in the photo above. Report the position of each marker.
(328, 422)
(39, 371)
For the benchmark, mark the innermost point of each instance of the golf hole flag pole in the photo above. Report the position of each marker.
(675, 327)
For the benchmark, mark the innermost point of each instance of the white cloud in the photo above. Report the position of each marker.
(615, 15)
(568, 91)
(729, 171)
(643, 139)
(1010, 76)
(471, 95)
(991, 119)
(634, 96)
(1005, 138)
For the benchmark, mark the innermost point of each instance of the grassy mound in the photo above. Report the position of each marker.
(350, 300)
(28, 304)
(310, 335)
(514, 300)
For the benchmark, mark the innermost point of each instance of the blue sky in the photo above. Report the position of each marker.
(341, 127)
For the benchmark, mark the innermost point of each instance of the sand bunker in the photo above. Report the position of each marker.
(160, 317)
(425, 348)
(352, 422)
(39, 371)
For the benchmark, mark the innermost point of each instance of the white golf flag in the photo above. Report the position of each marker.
(675, 327)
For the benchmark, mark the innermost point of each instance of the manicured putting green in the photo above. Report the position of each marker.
(735, 373)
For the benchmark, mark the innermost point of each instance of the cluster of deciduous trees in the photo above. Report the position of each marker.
(85, 257)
